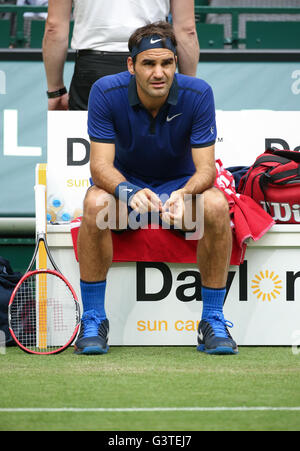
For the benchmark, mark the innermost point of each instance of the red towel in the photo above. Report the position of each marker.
(248, 220)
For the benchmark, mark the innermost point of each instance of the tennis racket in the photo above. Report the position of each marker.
(43, 311)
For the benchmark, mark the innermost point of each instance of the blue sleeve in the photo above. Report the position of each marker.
(100, 122)
(204, 130)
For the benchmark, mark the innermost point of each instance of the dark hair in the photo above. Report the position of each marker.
(162, 29)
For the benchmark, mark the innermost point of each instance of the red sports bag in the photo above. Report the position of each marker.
(274, 182)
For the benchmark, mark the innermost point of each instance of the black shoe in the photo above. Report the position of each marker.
(214, 337)
(93, 335)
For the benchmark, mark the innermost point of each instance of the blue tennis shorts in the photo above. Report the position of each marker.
(163, 188)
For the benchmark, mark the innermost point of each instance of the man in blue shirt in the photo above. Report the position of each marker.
(152, 134)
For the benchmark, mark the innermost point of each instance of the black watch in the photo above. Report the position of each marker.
(58, 93)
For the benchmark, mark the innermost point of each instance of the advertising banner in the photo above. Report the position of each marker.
(156, 303)
(160, 303)
(242, 136)
(260, 85)
(165, 308)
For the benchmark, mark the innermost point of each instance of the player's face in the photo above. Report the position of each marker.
(154, 70)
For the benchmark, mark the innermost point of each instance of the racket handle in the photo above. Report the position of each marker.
(40, 209)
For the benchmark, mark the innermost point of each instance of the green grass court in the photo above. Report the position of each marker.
(151, 377)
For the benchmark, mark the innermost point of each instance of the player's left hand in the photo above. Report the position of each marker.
(173, 209)
(145, 201)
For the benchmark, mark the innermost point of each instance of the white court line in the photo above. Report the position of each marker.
(147, 409)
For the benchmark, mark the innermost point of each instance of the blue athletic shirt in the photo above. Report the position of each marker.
(153, 150)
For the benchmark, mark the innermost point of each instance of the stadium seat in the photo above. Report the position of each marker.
(37, 33)
(273, 35)
(211, 36)
(201, 17)
(4, 33)
(71, 32)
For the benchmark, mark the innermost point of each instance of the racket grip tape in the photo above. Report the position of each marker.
(40, 208)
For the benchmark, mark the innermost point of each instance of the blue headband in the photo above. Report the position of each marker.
(153, 42)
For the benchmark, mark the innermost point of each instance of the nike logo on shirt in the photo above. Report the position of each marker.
(169, 119)
(127, 189)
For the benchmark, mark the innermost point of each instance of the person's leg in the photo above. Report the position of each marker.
(95, 254)
(95, 250)
(80, 85)
(213, 256)
(214, 248)
(89, 67)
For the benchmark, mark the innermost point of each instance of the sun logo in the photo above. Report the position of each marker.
(266, 285)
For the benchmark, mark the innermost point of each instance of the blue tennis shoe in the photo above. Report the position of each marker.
(214, 337)
(93, 335)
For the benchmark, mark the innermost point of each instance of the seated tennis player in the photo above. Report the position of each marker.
(152, 134)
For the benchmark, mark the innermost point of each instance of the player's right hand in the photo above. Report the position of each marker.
(59, 103)
(145, 201)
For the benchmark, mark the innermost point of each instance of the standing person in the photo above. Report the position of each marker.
(100, 36)
(152, 134)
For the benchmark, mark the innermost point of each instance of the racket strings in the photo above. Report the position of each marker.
(43, 313)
